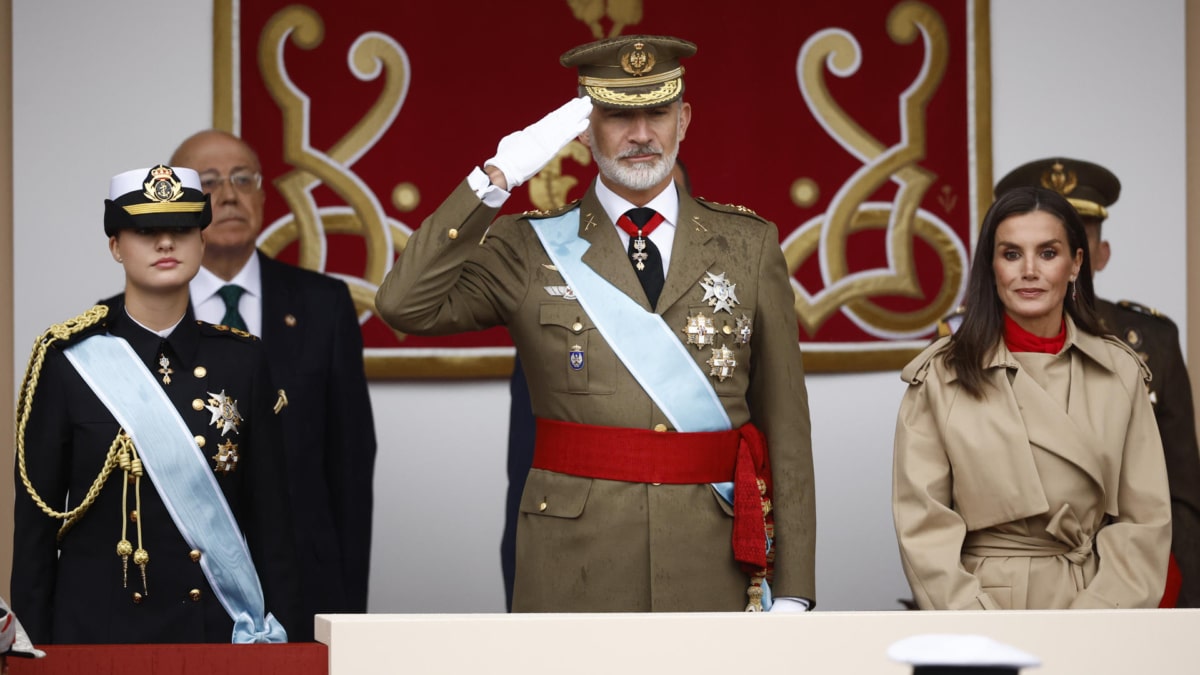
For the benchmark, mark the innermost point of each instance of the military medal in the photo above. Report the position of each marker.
(563, 292)
(721, 363)
(576, 357)
(226, 457)
(164, 367)
(719, 293)
(743, 330)
(639, 254)
(699, 330)
(225, 415)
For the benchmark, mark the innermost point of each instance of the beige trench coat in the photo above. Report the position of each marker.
(1046, 493)
(597, 545)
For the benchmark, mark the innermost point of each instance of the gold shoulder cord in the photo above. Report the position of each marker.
(59, 331)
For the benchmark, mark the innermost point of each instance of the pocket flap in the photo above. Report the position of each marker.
(555, 494)
(569, 315)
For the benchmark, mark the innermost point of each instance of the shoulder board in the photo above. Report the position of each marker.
(547, 213)
(730, 208)
(71, 329)
(914, 372)
(1129, 350)
(1142, 309)
(221, 329)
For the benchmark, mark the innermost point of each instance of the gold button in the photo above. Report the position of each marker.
(197, 404)
(542, 506)
(200, 371)
(726, 329)
(660, 427)
(576, 326)
(194, 594)
(200, 441)
(133, 516)
(656, 483)
(194, 555)
(137, 598)
(453, 233)
(290, 320)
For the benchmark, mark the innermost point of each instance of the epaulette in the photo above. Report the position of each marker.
(736, 209)
(914, 372)
(221, 329)
(547, 213)
(1112, 339)
(1142, 309)
(77, 327)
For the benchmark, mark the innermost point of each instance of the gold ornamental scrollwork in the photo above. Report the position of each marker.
(849, 212)
(621, 12)
(372, 54)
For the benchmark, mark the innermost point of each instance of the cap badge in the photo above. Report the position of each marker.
(1059, 179)
(162, 185)
(637, 61)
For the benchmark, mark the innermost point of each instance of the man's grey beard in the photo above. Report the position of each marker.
(641, 176)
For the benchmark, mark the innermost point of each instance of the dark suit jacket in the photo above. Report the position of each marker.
(314, 348)
(73, 591)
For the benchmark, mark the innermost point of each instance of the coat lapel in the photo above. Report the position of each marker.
(276, 302)
(691, 257)
(605, 255)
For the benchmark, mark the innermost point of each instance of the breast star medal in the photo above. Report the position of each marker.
(226, 457)
(743, 331)
(719, 292)
(225, 415)
(721, 363)
(700, 330)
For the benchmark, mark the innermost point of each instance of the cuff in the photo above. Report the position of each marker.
(488, 193)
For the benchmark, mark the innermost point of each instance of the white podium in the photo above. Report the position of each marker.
(1098, 642)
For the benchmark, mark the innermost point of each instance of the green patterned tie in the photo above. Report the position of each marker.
(231, 293)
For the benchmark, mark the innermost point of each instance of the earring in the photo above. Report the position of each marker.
(1074, 299)
(120, 259)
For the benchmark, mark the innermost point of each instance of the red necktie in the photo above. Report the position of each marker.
(638, 224)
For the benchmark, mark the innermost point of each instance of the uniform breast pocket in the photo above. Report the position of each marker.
(573, 356)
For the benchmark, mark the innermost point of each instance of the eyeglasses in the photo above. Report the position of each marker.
(244, 182)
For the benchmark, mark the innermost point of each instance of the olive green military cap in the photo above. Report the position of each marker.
(631, 71)
(1089, 187)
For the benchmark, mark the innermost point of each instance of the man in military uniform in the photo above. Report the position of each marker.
(1091, 189)
(158, 436)
(661, 349)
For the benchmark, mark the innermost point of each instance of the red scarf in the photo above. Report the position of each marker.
(1018, 339)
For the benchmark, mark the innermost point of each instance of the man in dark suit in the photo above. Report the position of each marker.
(1091, 189)
(314, 347)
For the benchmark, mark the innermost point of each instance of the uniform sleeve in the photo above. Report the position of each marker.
(267, 520)
(447, 280)
(350, 457)
(47, 462)
(778, 400)
(1177, 427)
(929, 531)
(1134, 549)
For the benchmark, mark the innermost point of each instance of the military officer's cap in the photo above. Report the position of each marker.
(161, 197)
(1089, 187)
(631, 71)
(956, 654)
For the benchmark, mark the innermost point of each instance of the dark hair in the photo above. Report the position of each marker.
(983, 323)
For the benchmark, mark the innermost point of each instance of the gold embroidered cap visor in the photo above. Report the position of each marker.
(631, 71)
(1089, 187)
(160, 197)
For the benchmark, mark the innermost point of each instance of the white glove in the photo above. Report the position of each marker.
(523, 153)
(788, 605)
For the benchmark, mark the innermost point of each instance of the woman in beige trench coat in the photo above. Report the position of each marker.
(1028, 471)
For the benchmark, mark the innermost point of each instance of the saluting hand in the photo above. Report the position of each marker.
(523, 153)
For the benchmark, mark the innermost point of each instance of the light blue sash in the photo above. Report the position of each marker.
(182, 478)
(642, 340)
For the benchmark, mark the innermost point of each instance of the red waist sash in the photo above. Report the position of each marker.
(678, 458)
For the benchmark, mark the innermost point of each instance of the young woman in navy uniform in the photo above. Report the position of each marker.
(151, 501)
